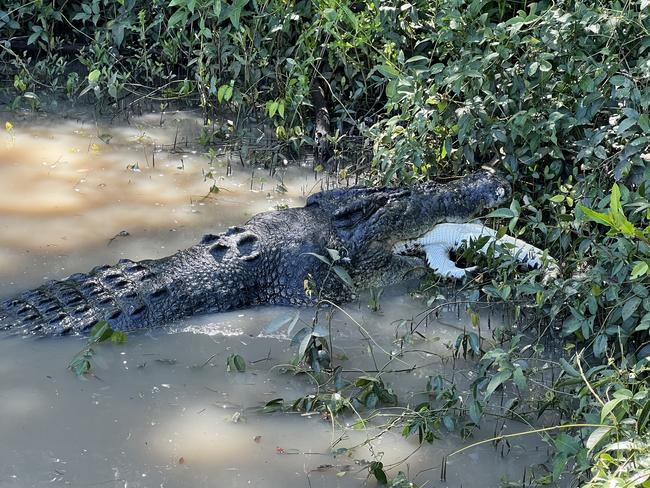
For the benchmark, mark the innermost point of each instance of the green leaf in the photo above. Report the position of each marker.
(520, 379)
(640, 268)
(272, 108)
(343, 275)
(275, 405)
(416, 59)
(475, 412)
(118, 337)
(320, 330)
(557, 198)
(236, 363)
(643, 418)
(609, 407)
(377, 470)
(321, 258)
(178, 17)
(100, 332)
(496, 381)
(596, 436)
(371, 401)
(33, 38)
(334, 254)
(501, 213)
(216, 8)
(474, 343)
(235, 12)
(569, 369)
(625, 125)
(93, 76)
(615, 208)
(630, 307)
(227, 94)
(304, 344)
(644, 323)
(388, 70)
(80, 363)
(619, 80)
(644, 123)
(299, 336)
(601, 218)
(600, 345)
(221, 93)
(365, 380)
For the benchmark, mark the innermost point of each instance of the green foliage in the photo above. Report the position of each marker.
(235, 362)
(81, 364)
(618, 398)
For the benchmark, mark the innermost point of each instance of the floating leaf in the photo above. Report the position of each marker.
(236, 363)
(100, 332)
(275, 405)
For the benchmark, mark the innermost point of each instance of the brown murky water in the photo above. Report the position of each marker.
(150, 418)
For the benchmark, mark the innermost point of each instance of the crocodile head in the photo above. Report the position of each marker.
(371, 223)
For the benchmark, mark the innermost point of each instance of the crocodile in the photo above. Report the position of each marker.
(378, 236)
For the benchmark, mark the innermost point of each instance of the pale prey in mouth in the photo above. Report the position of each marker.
(443, 238)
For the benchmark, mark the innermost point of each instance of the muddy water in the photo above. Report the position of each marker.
(161, 410)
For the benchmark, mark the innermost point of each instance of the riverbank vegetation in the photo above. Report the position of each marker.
(555, 95)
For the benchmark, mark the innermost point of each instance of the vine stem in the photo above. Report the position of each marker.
(528, 432)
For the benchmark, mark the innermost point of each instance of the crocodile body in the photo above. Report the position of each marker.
(268, 260)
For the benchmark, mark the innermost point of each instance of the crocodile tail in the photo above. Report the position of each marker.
(122, 295)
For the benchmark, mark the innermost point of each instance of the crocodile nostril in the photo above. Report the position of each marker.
(218, 251)
(248, 245)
